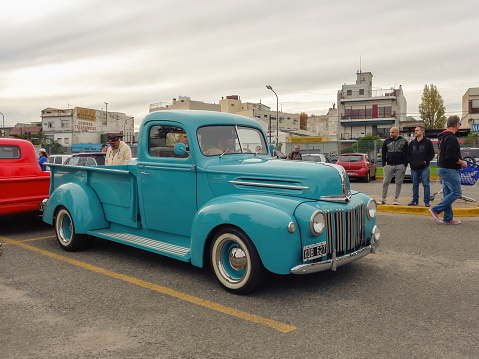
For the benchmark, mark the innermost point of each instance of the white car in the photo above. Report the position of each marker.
(315, 157)
(57, 159)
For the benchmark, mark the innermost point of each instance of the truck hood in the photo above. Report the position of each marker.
(307, 180)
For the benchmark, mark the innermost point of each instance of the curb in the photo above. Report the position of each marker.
(430, 178)
(459, 212)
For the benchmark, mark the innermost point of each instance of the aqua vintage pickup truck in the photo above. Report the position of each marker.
(205, 190)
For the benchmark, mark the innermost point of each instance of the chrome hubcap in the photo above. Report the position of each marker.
(237, 258)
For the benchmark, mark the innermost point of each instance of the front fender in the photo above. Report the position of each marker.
(266, 224)
(83, 204)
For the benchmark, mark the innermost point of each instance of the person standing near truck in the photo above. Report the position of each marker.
(394, 157)
(119, 153)
(420, 153)
(295, 155)
(42, 159)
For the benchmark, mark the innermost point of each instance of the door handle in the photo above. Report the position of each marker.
(145, 173)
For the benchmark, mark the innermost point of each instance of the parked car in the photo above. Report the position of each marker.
(358, 165)
(58, 159)
(23, 185)
(470, 155)
(316, 157)
(87, 159)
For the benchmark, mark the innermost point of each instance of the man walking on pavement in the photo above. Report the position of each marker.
(394, 158)
(449, 163)
(420, 153)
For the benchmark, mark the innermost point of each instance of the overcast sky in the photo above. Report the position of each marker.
(133, 53)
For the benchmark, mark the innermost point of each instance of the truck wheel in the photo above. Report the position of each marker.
(235, 261)
(65, 231)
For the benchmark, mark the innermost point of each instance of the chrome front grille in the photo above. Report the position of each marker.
(346, 230)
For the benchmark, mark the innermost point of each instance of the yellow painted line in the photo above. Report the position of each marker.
(284, 328)
(28, 240)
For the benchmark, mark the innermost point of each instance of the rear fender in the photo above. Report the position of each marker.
(83, 204)
(266, 226)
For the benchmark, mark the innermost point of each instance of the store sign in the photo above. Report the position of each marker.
(475, 127)
(86, 114)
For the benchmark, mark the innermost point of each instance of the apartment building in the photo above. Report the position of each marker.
(364, 110)
(470, 110)
(184, 103)
(85, 126)
(286, 121)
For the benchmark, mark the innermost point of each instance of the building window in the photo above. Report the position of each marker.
(50, 125)
(66, 141)
(64, 124)
(349, 92)
(474, 106)
(361, 91)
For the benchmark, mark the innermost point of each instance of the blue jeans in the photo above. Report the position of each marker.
(423, 176)
(451, 187)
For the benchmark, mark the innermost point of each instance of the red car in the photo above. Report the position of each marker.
(23, 185)
(358, 165)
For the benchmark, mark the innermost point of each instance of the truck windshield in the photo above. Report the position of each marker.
(219, 140)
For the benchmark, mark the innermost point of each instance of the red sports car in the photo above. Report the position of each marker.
(358, 165)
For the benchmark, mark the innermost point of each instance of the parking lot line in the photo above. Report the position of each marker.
(284, 328)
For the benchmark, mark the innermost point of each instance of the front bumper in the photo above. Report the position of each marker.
(41, 205)
(335, 261)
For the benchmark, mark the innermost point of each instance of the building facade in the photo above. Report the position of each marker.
(85, 126)
(470, 109)
(184, 103)
(364, 110)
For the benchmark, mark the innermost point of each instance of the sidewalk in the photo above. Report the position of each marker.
(460, 207)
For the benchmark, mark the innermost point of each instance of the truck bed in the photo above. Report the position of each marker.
(115, 186)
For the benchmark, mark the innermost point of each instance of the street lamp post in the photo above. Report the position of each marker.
(124, 133)
(106, 115)
(3, 125)
(277, 116)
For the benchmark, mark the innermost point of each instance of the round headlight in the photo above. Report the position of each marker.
(372, 208)
(317, 223)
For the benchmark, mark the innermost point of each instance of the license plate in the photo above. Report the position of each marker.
(314, 251)
(350, 173)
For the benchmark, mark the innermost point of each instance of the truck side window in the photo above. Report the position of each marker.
(9, 152)
(162, 139)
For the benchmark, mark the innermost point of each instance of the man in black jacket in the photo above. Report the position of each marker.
(449, 163)
(394, 157)
(420, 152)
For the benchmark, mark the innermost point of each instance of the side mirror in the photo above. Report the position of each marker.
(179, 149)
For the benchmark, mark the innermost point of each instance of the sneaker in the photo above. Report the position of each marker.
(427, 204)
(381, 202)
(413, 203)
(452, 221)
(395, 202)
(435, 215)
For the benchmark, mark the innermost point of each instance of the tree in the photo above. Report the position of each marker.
(365, 145)
(472, 140)
(432, 108)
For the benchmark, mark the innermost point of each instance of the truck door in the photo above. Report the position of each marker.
(167, 182)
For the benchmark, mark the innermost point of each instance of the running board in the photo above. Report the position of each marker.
(151, 245)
